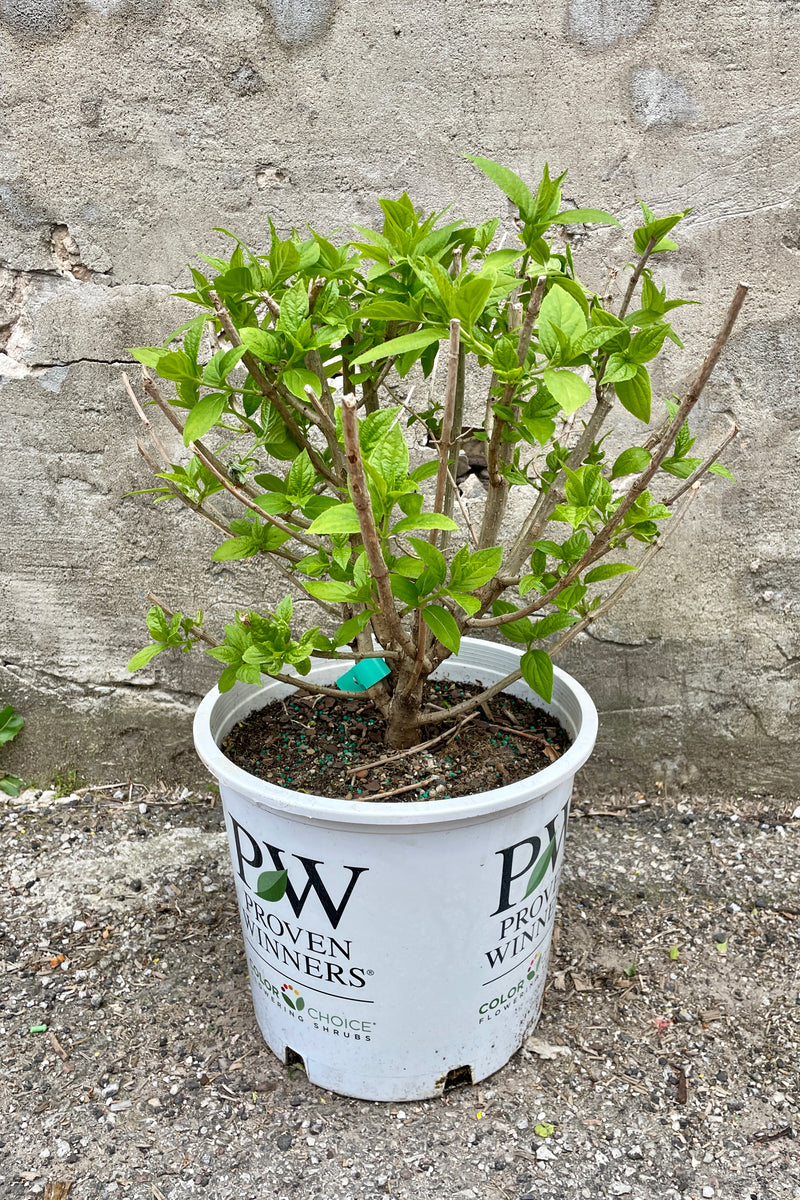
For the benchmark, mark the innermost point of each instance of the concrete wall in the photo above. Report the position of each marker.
(127, 131)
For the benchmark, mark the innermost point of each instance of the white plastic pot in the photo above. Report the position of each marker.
(411, 946)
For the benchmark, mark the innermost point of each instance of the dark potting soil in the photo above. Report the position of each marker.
(330, 747)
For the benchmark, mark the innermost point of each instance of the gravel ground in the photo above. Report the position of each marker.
(665, 1065)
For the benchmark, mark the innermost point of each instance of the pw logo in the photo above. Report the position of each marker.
(273, 885)
(530, 860)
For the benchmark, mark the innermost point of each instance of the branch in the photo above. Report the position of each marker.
(701, 470)
(244, 499)
(145, 421)
(369, 534)
(634, 279)
(602, 541)
(445, 714)
(445, 440)
(210, 514)
(451, 492)
(200, 634)
(498, 452)
(631, 577)
(269, 390)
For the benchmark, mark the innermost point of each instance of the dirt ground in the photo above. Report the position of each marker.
(665, 1065)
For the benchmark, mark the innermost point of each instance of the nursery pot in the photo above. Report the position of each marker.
(410, 947)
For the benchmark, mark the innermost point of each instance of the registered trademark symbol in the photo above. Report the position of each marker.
(370, 972)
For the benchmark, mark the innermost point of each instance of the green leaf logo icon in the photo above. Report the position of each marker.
(542, 863)
(271, 885)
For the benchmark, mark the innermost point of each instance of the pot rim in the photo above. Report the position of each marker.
(312, 807)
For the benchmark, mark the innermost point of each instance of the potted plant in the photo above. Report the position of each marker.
(397, 938)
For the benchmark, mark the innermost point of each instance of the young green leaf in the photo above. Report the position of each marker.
(630, 462)
(584, 216)
(607, 571)
(517, 191)
(567, 389)
(142, 658)
(205, 414)
(339, 519)
(635, 394)
(424, 521)
(443, 626)
(537, 671)
(399, 345)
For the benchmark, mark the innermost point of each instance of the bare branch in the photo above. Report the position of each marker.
(209, 513)
(145, 420)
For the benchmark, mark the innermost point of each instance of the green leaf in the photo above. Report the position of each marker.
(537, 875)
(149, 356)
(630, 462)
(424, 521)
(341, 519)
(271, 885)
(584, 216)
(647, 343)
(432, 557)
(656, 229)
(298, 379)
(470, 604)
(537, 671)
(635, 394)
(619, 368)
(560, 312)
(12, 785)
(520, 630)
(399, 345)
(404, 590)
(205, 414)
(294, 307)
(388, 310)
(567, 389)
(607, 571)
(9, 724)
(143, 657)
(301, 479)
(262, 344)
(443, 626)
(235, 548)
(471, 299)
(350, 629)
(177, 367)
(517, 191)
(471, 571)
(718, 468)
(330, 590)
(220, 366)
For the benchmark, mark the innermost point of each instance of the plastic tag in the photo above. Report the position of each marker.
(363, 675)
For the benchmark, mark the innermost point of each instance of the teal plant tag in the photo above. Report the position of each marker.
(363, 675)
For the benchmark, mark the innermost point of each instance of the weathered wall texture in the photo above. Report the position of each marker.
(127, 131)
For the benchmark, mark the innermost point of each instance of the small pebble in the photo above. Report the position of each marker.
(285, 1141)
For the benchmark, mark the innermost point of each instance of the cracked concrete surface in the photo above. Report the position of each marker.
(116, 166)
